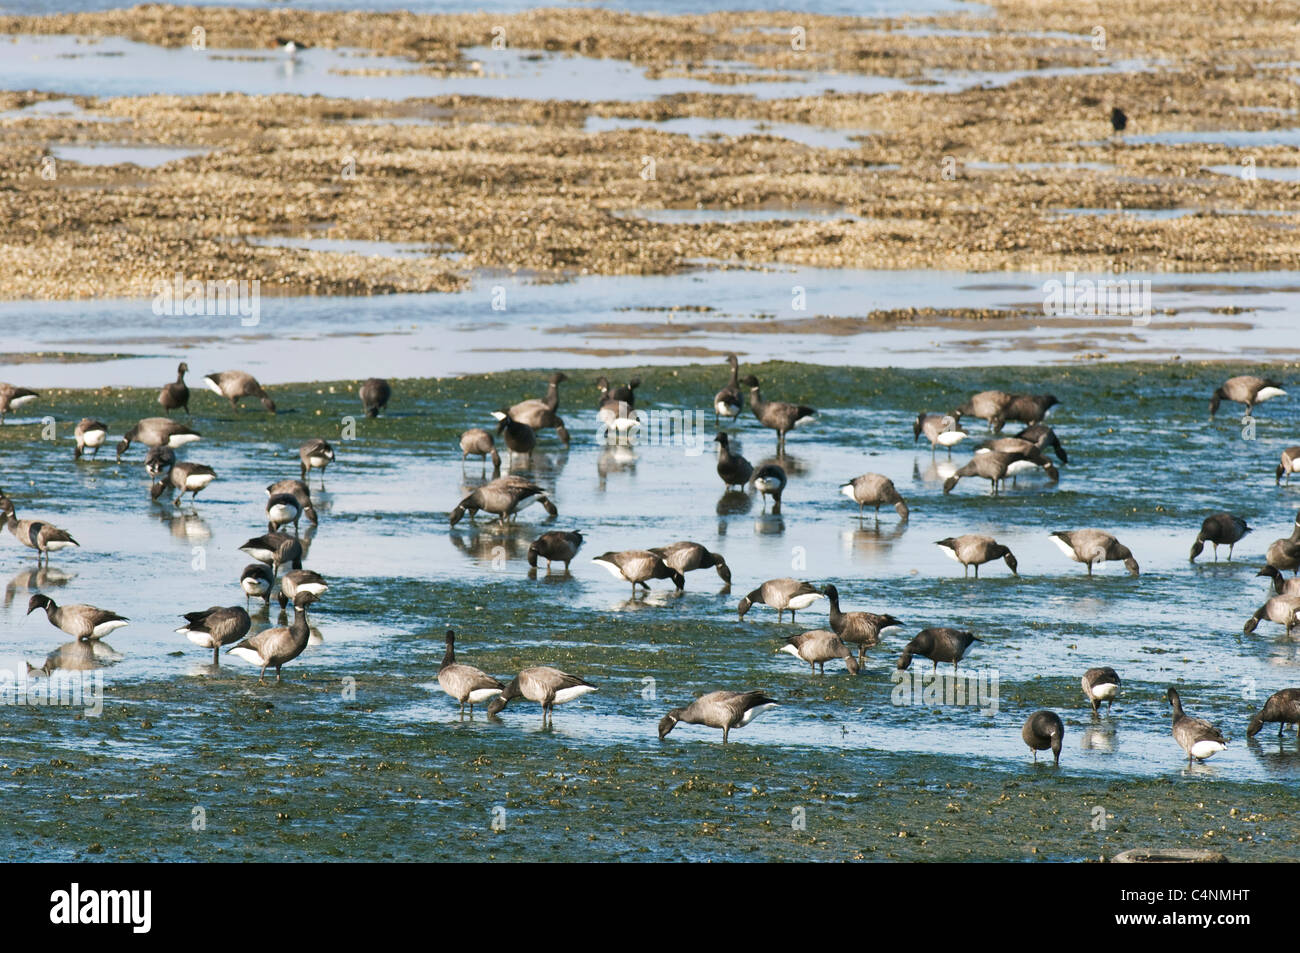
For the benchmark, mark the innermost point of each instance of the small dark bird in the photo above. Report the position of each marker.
(1043, 730)
(375, 394)
(1217, 530)
(176, 395)
(1118, 120)
(555, 546)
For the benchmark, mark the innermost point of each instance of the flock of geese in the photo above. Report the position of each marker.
(278, 554)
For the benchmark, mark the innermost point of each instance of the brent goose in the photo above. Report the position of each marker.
(300, 492)
(477, 442)
(257, 579)
(1043, 730)
(555, 546)
(465, 683)
(12, 397)
(79, 621)
(215, 627)
(1043, 436)
(176, 395)
(777, 415)
(1026, 454)
(1029, 408)
(43, 537)
(725, 710)
(1118, 119)
(275, 549)
(1220, 529)
(781, 594)
(938, 645)
(1289, 465)
(1197, 737)
(89, 433)
(157, 432)
(519, 437)
(185, 478)
(1284, 554)
(315, 454)
(541, 413)
(1090, 546)
(617, 395)
(638, 565)
(990, 405)
(728, 402)
(1282, 707)
(546, 686)
(1248, 390)
(279, 645)
(236, 385)
(819, 647)
(687, 556)
(300, 580)
(942, 430)
(1281, 585)
(504, 496)
(862, 629)
(159, 460)
(770, 479)
(291, 46)
(1100, 685)
(992, 465)
(974, 550)
(873, 489)
(1280, 609)
(375, 394)
(734, 469)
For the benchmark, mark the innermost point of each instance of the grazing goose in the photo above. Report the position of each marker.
(89, 433)
(734, 469)
(236, 385)
(1246, 390)
(990, 405)
(1289, 465)
(477, 442)
(12, 397)
(546, 686)
(257, 579)
(465, 683)
(781, 594)
(185, 478)
(215, 627)
(1029, 408)
(541, 413)
(315, 454)
(862, 629)
(279, 645)
(1043, 730)
(79, 621)
(1100, 685)
(275, 549)
(687, 556)
(992, 465)
(1198, 737)
(725, 710)
(873, 489)
(617, 395)
(159, 460)
(942, 430)
(1090, 546)
(728, 402)
(973, 550)
(282, 509)
(555, 546)
(1282, 707)
(519, 437)
(1027, 456)
(1281, 585)
(770, 479)
(777, 415)
(1043, 436)
(300, 580)
(157, 432)
(638, 565)
(375, 394)
(176, 394)
(504, 496)
(1280, 609)
(43, 537)
(299, 490)
(817, 648)
(1219, 529)
(938, 645)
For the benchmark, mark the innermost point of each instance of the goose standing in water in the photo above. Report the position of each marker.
(465, 683)
(555, 546)
(1029, 408)
(176, 395)
(477, 442)
(938, 645)
(1248, 390)
(687, 556)
(157, 432)
(519, 437)
(184, 478)
(546, 686)
(725, 710)
(236, 385)
(1284, 554)
(43, 537)
(275, 549)
(79, 621)
(989, 405)
(541, 413)
(278, 646)
(89, 433)
(974, 550)
(770, 480)
(862, 629)
(819, 647)
(734, 469)
(1280, 609)
(1282, 707)
(1100, 685)
(301, 494)
(1198, 737)
(11, 398)
(777, 415)
(1026, 456)
(728, 402)
(942, 430)
(215, 627)
(1289, 465)
(639, 565)
(257, 580)
(1043, 730)
(781, 594)
(300, 580)
(375, 394)
(1281, 585)
(1221, 529)
(315, 454)
(1090, 546)
(874, 490)
(504, 497)
(159, 460)
(617, 395)
(1043, 437)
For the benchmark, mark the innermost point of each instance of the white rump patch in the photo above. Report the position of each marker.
(569, 694)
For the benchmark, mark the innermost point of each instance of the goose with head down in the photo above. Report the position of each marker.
(770, 480)
(875, 490)
(637, 566)
(555, 546)
(11, 398)
(236, 385)
(686, 556)
(1289, 465)
(546, 686)
(1221, 529)
(938, 645)
(819, 647)
(257, 579)
(185, 478)
(157, 432)
(90, 434)
(477, 442)
(301, 493)
(1043, 437)
(1282, 708)
(1100, 684)
(275, 549)
(1246, 389)
(989, 405)
(1043, 730)
(781, 594)
(212, 628)
(1090, 546)
(724, 710)
(518, 436)
(1196, 736)
(504, 497)
(975, 550)
(315, 454)
(375, 394)
(1280, 609)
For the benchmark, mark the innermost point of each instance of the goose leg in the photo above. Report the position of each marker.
(277, 674)
(977, 570)
(261, 675)
(216, 655)
(725, 730)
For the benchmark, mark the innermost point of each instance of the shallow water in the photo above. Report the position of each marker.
(703, 127)
(147, 157)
